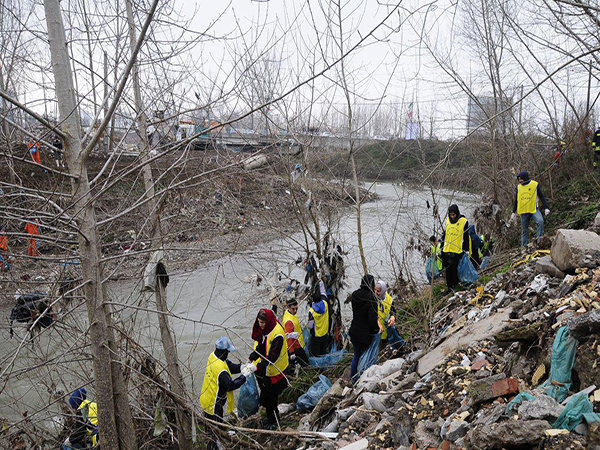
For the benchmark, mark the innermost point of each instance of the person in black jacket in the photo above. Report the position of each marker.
(456, 242)
(364, 321)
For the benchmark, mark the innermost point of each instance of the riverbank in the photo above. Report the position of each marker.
(508, 363)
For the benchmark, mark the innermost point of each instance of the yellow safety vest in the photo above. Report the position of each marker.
(383, 312)
(435, 254)
(282, 362)
(297, 328)
(527, 198)
(89, 411)
(454, 235)
(210, 385)
(321, 321)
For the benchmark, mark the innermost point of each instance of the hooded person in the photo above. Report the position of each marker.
(525, 204)
(456, 241)
(85, 430)
(271, 352)
(293, 333)
(216, 395)
(364, 324)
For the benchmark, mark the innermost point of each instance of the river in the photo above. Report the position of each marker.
(222, 298)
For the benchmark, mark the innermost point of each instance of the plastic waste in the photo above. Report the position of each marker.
(431, 269)
(247, 403)
(484, 262)
(308, 400)
(368, 358)
(563, 358)
(466, 272)
(578, 409)
(328, 360)
(306, 336)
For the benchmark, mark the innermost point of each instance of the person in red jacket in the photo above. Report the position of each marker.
(3, 250)
(34, 150)
(32, 228)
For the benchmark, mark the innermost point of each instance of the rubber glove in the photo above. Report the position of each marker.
(513, 217)
(546, 211)
(293, 335)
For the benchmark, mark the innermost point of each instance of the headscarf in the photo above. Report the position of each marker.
(383, 288)
(257, 332)
(455, 210)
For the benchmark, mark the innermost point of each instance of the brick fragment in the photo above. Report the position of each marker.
(505, 387)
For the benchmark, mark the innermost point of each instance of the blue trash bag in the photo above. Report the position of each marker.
(308, 400)
(368, 358)
(394, 338)
(484, 262)
(247, 403)
(328, 360)
(306, 336)
(466, 272)
(431, 268)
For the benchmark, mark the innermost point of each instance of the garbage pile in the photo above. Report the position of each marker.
(510, 364)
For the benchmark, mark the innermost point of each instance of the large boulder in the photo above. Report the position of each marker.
(575, 248)
(545, 265)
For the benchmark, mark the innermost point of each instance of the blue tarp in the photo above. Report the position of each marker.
(248, 398)
(466, 272)
(368, 358)
(307, 401)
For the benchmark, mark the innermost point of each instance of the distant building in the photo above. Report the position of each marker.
(483, 112)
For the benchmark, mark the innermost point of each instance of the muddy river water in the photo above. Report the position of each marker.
(222, 298)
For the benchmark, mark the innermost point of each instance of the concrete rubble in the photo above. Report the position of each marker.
(485, 348)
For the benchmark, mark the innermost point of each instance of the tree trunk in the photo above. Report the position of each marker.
(114, 416)
(184, 422)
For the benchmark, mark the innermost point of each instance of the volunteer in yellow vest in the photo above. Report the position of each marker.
(526, 205)
(456, 241)
(293, 333)
(318, 322)
(273, 363)
(216, 396)
(386, 312)
(85, 431)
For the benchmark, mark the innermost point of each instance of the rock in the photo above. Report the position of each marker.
(457, 429)
(509, 434)
(545, 265)
(424, 436)
(462, 338)
(543, 407)
(479, 363)
(486, 416)
(582, 429)
(285, 408)
(492, 387)
(585, 324)
(526, 333)
(400, 430)
(575, 248)
(362, 444)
